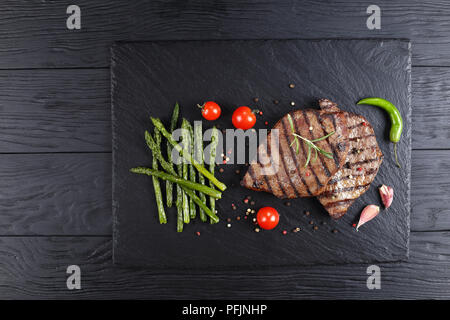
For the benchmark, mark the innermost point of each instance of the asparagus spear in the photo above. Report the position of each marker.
(198, 134)
(171, 171)
(185, 184)
(158, 124)
(212, 164)
(185, 140)
(156, 185)
(192, 208)
(179, 201)
(169, 186)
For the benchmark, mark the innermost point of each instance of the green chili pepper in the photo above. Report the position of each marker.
(394, 116)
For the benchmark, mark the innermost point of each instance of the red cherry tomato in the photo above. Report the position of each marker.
(267, 218)
(243, 118)
(210, 110)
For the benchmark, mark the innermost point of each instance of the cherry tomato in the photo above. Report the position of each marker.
(210, 110)
(243, 118)
(267, 218)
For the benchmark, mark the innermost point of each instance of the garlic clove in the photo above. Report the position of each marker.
(368, 213)
(387, 195)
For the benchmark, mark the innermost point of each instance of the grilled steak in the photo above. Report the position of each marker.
(287, 177)
(360, 168)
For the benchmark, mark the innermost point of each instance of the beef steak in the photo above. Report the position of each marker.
(286, 176)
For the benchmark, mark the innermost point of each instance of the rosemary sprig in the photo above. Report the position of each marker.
(309, 143)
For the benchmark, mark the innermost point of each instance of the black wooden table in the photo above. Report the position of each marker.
(55, 144)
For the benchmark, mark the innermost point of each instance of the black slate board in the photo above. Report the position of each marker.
(147, 78)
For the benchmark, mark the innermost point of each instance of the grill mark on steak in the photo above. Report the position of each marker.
(336, 157)
(305, 153)
(288, 170)
(297, 166)
(311, 132)
(363, 162)
(362, 137)
(348, 189)
(277, 177)
(337, 203)
(367, 173)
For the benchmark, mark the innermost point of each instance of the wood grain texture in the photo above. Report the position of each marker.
(70, 194)
(430, 203)
(55, 194)
(431, 116)
(36, 268)
(55, 111)
(69, 110)
(34, 34)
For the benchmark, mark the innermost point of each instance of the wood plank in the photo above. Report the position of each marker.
(70, 194)
(430, 203)
(34, 34)
(55, 111)
(33, 267)
(69, 110)
(54, 194)
(430, 114)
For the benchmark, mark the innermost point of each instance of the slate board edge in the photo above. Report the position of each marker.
(402, 258)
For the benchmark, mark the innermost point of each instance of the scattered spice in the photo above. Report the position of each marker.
(255, 99)
(287, 203)
(284, 232)
(229, 225)
(354, 225)
(228, 219)
(256, 229)
(238, 218)
(307, 173)
(221, 170)
(291, 85)
(316, 228)
(307, 213)
(359, 169)
(296, 229)
(266, 123)
(245, 200)
(238, 171)
(260, 113)
(311, 222)
(292, 103)
(335, 231)
(198, 233)
(276, 101)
